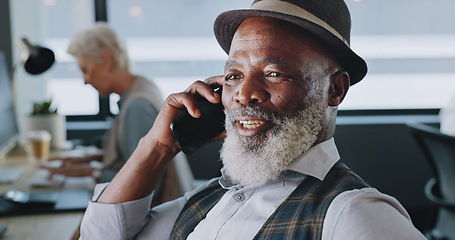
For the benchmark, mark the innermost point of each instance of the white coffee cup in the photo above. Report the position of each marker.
(39, 143)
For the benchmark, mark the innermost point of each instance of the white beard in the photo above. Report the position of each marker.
(251, 161)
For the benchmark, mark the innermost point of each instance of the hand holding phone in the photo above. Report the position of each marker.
(192, 133)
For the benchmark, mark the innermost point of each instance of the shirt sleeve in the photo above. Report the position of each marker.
(131, 220)
(139, 117)
(367, 214)
(114, 221)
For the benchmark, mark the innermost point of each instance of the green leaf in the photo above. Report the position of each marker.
(43, 108)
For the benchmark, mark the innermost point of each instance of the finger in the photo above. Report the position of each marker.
(183, 101)
(187, 100)
(70, 172)
(215, 81)
(173, 104)
(54, 171)
(67, 164)
(204, 90)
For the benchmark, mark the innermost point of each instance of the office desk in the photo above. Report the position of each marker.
(58, 226)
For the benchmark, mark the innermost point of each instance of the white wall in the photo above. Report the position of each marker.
(27, 20)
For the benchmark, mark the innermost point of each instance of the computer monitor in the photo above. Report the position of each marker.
(8, 124)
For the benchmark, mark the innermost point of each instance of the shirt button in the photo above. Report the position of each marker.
(239, 197)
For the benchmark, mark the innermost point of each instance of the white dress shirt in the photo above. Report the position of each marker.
(241, 212)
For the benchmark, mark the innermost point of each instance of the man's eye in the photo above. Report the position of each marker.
(231, 77)
(274, 74)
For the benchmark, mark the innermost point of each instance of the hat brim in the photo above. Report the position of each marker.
(227, 23)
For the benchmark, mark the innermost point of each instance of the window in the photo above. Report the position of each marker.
(66, 85)
(410, 51)
(172, 42)
(407, 44)
(54, 23)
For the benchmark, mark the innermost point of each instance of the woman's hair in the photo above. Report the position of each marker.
(92, 42)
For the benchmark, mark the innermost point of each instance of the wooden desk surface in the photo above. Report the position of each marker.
(58, 226)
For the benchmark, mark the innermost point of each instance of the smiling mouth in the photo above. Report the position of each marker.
(251, 124)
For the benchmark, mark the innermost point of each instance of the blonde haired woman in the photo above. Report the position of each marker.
(104, 62)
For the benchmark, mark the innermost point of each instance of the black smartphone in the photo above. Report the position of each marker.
(192, 133)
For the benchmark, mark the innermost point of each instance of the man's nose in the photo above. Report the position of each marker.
(251, 91)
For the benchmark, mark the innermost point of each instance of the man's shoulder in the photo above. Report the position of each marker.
(367, 212)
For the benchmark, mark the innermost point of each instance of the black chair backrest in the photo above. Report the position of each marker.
(439, 149)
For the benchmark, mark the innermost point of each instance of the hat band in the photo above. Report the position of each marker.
(293, 10)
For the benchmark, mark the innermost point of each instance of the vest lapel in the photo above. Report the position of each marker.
(302, 214)
(195, 210)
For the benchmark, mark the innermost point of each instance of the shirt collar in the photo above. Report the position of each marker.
(318, 160)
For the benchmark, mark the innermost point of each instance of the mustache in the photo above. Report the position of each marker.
(274, 119)
(252, 111)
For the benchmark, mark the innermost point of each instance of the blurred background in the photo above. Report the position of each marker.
(409, 46)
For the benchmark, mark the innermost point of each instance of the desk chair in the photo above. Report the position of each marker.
(439, 150)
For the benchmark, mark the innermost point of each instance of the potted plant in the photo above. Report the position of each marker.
(45, 117)
(43, 108)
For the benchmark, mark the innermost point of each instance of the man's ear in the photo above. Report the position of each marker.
(107, 58)
(339, 85)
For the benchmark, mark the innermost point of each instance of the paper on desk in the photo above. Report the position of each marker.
(80, 183)
(81, 151)
(86, 182)
(10, 174)
(41, 179)
(53, 163)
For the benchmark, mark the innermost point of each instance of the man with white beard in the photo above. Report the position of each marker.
(254, 161)
(289, 67)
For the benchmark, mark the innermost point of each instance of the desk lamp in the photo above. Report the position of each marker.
(36, 59)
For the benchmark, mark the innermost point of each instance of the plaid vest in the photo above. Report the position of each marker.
(300, 216)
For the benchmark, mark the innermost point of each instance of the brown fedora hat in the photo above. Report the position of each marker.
(329, 20)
